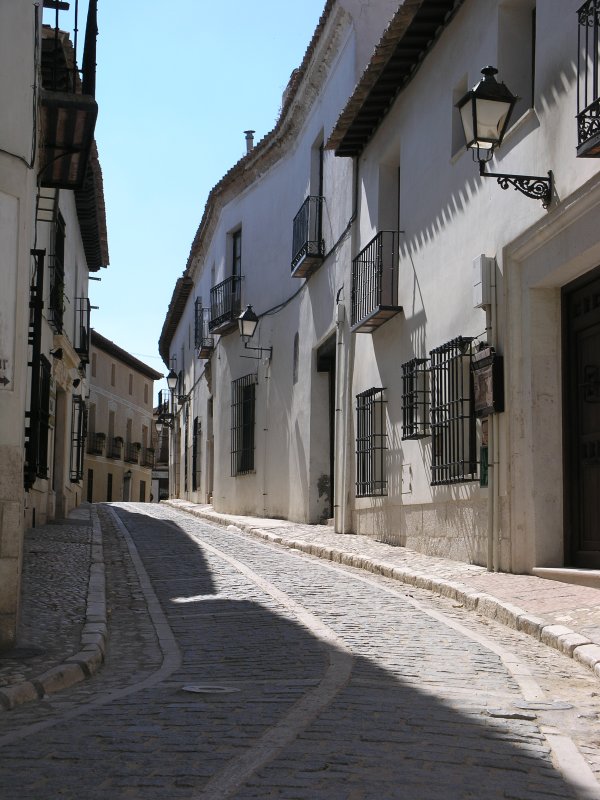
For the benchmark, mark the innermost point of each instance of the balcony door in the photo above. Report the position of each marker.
(581, 310)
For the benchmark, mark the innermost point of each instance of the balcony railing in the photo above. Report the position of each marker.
(206, 342)
(308, 248)
(114, 448)
(588, 80)
(82, 328)
(132, 450)
(95, 443)
(375, 283)
(225, 305)
(147, 457)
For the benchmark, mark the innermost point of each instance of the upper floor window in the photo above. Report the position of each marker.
(130, 383)
(588, 69)
(236, 253)
(516, 51)
(113, 372)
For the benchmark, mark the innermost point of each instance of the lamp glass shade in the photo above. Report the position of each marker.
(247, 322)
(172, 380)
(159, 426)
(485, 112)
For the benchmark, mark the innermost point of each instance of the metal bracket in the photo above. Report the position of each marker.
(531, 186)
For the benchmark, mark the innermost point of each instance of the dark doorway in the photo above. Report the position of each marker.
(581, 361)
(90, 486)
(326, 363)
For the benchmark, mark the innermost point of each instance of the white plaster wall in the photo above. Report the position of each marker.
(450, 215)
(17, 191)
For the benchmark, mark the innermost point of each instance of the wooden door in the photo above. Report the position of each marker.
(581, 310)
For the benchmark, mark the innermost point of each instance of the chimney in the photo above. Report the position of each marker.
(249, 140)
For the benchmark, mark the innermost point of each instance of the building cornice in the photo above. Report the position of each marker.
(101, 343)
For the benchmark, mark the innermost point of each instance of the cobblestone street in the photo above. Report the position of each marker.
(237, 668)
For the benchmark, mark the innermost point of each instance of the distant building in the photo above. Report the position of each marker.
(120, 447)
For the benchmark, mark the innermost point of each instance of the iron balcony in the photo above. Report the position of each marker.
(308, 248)
(225, 305)
(375, 283)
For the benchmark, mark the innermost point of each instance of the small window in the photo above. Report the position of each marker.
(146, 393)
(415, 399)
(109, 482)
(93, 365)
(516, 51)
(453, 428)
(371, 444)
(243, 396)
(296, 358)
(130, 383)
(142, 491)
(236, 253)
(112, 375)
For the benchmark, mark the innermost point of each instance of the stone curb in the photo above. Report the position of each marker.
(94, 635)
(563, 639)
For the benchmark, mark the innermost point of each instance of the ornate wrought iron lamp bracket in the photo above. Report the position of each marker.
(531, 186)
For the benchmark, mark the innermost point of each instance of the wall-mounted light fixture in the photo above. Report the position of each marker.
(247, 322)
(485, 112)
(165, 418)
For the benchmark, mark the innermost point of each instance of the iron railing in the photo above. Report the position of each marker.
(225, 301)
(307, 233)
(114, 448)
(147, 457)
(56, 302)
(371, 444)
(95, 443)
(78, 434)
(415, 399)
(375, 277)
(132, 450)
(82, 328)
(453, 428)
(243, 393)
(588, 80)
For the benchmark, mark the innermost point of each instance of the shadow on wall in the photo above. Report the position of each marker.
(377, 735)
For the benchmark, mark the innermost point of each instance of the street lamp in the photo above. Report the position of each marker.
(485, 112)
(247, 322)
(172, 380)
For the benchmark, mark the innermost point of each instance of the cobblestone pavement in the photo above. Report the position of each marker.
(236, 668)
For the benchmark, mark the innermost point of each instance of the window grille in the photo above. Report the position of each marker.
(307, 238)
(415, 399)
(82, 328)
(56, 304)
(588, 73)
(374, 296)
(243, 394)
(371, 444)
(453, 457)
(78, 434)
(196, 440)
(198, 323)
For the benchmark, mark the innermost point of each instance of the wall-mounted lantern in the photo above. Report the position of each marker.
(247, 322)
(485, 112)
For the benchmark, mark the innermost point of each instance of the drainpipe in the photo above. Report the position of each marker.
(493, 532)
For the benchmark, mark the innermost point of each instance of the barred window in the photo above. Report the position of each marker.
(415, 399)
(243, 393)
(371, 444)
(453, 457)
(78, 434)
(196, 441)
(588, 80)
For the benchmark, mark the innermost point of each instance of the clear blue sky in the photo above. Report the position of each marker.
(177, 85)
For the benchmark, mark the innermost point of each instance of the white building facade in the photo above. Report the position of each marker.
(53, 233)
(433, 380)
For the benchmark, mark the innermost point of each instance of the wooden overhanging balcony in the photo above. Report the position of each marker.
(225, 305)
(68, 108)
(206, 341)
(375, 283)
(308, 248)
